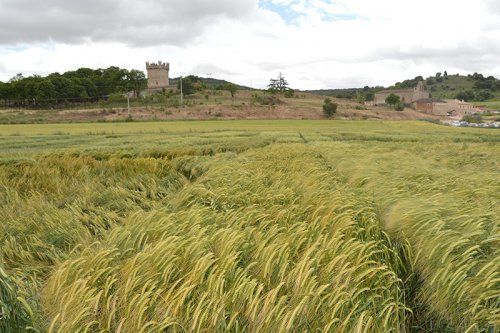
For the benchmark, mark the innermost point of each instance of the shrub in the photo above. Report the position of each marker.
(484, 95)
(232, 88)
(474, 118)
(369, 96)
(289, 93)
(264, 99)
(399, 106)
(329, 108)
(360, 98)
(116, 98)
(467, 95)
(392, 100)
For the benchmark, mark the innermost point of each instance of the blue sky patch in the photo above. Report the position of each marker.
(290, 16)
(286, 13)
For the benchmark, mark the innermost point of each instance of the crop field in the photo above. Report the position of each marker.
(249, 226)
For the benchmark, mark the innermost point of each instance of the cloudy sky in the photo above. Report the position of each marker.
(315, 43)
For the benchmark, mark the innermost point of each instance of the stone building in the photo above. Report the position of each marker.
(158, 76)
(449, 107)
(408, 96)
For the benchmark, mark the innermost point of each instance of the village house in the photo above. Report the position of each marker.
(407, 96)
(449, 107)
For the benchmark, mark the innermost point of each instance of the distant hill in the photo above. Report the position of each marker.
(209, 82)
(349, 93)
(475, 87)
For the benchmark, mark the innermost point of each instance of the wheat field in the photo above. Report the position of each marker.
(249, 226)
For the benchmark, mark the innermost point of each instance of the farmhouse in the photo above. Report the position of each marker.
(408, 96)
(158, 76)
(448, 107)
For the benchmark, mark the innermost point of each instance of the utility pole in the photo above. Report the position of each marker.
(128, 104)
(209, 75)
(182, 96)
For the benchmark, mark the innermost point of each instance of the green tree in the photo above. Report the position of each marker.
(16, 78)
(484, 95)
(3, 90)
(467, 95)
(329, 108)
(113, 79)
(188, 87)
(45, 91)
(392, 100)
(136, 81)
(232, 88)
(278, 85)
(73, 85)
(90, 87)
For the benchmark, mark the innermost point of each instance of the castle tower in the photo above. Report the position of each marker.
(158, 78)
(420, 86)
(420, 92)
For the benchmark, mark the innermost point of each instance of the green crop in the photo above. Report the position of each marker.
(254, 226)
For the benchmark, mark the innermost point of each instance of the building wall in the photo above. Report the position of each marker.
(427, 107)
(407, 96)
(157, 78)
(380, 98)
(420, 94)
(454, 108)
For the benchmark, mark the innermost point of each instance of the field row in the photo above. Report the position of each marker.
(256, 227)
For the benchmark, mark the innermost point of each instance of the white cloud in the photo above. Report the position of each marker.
(145, 22)
(210, 70)
(495, 6)
(342, 43)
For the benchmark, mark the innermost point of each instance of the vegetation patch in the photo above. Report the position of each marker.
(291, 226)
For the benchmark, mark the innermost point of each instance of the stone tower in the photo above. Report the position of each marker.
(420, 86)
(420, 92)
(158, 78)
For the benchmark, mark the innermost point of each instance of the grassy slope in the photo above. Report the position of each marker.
(210, 82)
(447, 89)
(219, 105)
(451, 85)
(495, 105)
(250, 226)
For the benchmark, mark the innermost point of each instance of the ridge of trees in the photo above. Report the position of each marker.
(82, 84)
(473, 87)
(206, 83)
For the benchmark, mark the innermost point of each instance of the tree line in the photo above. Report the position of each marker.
(81, 85)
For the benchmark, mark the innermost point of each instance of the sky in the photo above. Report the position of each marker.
(315, 43)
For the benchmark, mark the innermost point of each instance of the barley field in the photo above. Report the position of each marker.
(249, 226)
